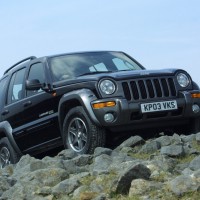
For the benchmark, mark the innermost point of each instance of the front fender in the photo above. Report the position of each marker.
(84, 97)
(195, 86)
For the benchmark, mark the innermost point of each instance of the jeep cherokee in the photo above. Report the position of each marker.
(76, 99)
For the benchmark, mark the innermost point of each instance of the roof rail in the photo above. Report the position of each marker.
(21, 61)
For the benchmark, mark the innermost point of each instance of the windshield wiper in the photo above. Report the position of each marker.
(96, 72)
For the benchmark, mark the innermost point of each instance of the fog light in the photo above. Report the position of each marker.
(109, 117)
(195, 108)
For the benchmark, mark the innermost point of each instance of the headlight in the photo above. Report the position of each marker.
(183, 80)
(107, 87)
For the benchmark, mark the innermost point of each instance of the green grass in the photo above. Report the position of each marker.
(87, 180)
(185, 159)
(163, 195)
(123, 197)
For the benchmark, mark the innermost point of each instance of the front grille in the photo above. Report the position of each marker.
(149, 88)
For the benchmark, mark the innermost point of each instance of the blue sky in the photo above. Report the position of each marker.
(158, 33)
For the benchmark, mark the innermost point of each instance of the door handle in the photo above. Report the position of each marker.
(28, 103)
(5, 112)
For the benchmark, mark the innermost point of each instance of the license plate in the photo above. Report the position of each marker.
(158, 106)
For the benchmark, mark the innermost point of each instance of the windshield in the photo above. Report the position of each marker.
(73, 65)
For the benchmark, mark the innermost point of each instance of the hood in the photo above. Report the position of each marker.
(120, 75)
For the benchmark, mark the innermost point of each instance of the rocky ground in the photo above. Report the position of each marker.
(167, 167)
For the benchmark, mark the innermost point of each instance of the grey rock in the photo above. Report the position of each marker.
(55, 162)
(67, 154)
(164, 163)
(196, 176)
(47, 177)
(66, 187)
(96, 187)
(44, 191)
(137, 171)
(72, 168)
(77, 192)
(188, 150)
(187, 172)
(141, 187)
(80, 175)
(23, 166)
(24, 161)
(14, 193)
(172, 150)
(7, 170)
(131, 142)
(160, 175)
(37, 164)
(119, 157)
(82, 160)
(188, 138)
(107, 171)
(195, 163)
(127, 150)
(11, 181)
(100, 150)
(182, 184)
(121, 161)
(176, 139)
(164, 140)
(181, 167)
(150, 147)
(78, 164)
(119, 168)
(198, 138)
(4, 185)
(101, 164)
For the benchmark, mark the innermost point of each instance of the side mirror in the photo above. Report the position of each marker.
(33, 84)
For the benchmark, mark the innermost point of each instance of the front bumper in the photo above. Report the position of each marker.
(128, 113)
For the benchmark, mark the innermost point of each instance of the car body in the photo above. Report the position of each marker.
(75, 99)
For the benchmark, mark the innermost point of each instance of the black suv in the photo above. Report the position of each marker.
(76, 99)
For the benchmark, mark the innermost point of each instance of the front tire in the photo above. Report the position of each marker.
(80, 134)
(7, 153)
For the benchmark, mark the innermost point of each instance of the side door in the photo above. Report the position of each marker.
(13, 109)
(3, 88)
(41, 123)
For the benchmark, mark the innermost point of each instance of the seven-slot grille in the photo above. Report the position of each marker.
(149, 88)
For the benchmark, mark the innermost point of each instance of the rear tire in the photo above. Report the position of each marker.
(80, 134)
(7, 154)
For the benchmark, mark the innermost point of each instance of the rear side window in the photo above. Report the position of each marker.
(15, 86)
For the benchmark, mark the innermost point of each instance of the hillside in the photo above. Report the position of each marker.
(167, 167)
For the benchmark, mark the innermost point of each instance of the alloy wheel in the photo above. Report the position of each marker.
(77, 134)
(4, 157)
